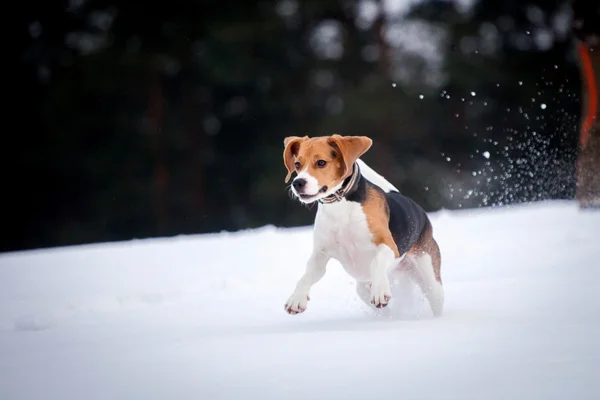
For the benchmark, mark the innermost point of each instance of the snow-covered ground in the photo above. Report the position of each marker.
(202, 318)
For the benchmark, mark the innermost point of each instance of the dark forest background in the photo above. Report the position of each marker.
(135, 119)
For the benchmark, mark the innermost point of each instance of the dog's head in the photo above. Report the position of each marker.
(321, 163)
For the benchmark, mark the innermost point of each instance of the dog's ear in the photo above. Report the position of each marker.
(291, 148)
(351, 148)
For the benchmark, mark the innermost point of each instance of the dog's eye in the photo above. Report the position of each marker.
(297, 165)
(321, 163)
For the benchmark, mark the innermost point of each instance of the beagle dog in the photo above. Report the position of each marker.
(362, 221)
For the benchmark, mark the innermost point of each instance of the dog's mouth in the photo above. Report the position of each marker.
(308, 197)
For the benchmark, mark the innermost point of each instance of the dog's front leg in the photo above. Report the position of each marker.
(315, 270)
(380, 284)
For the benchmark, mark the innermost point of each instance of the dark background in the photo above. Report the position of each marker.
(134, 119)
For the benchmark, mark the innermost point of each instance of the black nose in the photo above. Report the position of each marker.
(299, 183)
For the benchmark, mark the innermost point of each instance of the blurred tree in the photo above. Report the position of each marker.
(163, 118)
(510, 73)
(586, 26)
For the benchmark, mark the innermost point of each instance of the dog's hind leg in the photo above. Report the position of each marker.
(427, 270)
(424, 274)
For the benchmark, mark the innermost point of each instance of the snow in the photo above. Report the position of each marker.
(202, 317)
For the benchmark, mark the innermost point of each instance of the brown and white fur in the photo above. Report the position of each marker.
(368, 230)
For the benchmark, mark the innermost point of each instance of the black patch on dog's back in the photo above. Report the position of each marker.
(407, 220)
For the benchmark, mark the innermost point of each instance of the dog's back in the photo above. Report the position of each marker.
(407, 220)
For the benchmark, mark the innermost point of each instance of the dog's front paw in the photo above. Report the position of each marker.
(297, 303)
(381, 294)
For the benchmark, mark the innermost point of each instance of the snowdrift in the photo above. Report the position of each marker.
(201, 317)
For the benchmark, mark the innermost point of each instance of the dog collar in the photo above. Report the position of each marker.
(346, 189)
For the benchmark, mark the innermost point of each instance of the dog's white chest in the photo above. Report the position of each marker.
(342, 230)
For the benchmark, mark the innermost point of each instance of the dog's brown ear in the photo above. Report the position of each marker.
(292, 146)
(351, 148)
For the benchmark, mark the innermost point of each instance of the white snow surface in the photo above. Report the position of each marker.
(201, 317)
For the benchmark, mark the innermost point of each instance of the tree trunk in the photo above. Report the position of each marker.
(385, 53)
(161, 171)
(586, 27)
(194, 109)
(588, 163)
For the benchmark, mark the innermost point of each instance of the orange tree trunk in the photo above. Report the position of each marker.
(586, 28)
(588, 163)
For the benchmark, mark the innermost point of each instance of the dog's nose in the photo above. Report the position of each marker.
(299, 183)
